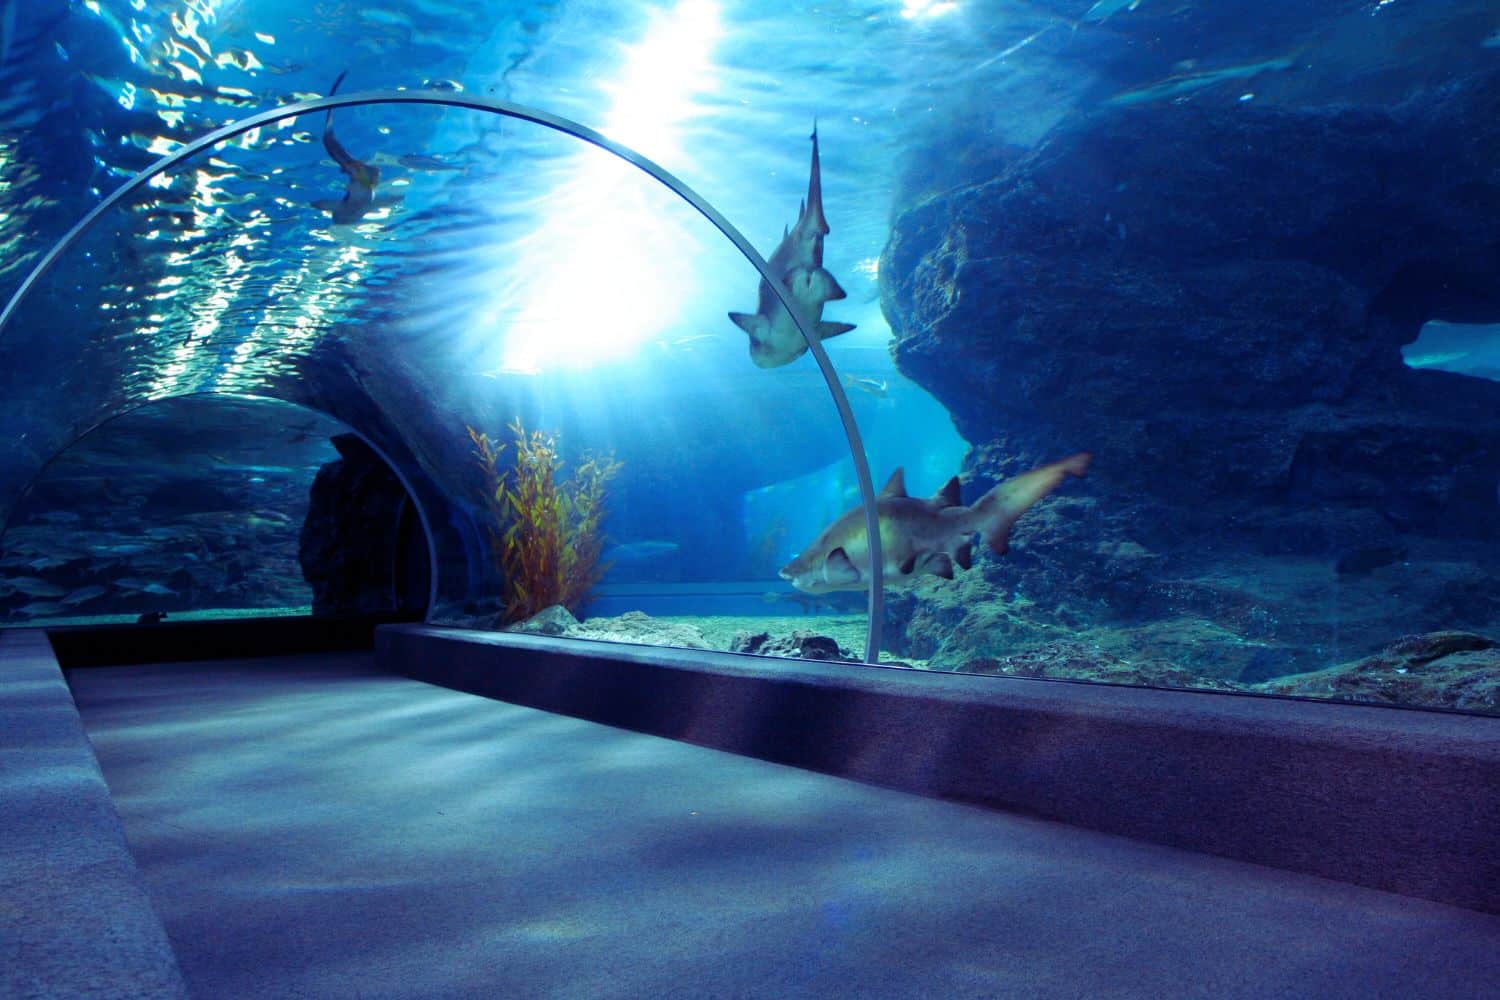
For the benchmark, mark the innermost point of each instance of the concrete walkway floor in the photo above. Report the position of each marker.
(308, 827)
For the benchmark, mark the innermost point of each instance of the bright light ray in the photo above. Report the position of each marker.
(913, 9)
(606, 271)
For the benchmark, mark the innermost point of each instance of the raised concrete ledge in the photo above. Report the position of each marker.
(75, 919)
(1400, 800)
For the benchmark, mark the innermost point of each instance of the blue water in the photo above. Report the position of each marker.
(514, 272)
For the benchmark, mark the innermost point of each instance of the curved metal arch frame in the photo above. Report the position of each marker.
(567, 126)
(422, 516)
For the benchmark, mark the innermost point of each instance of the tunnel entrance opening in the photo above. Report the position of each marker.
(205, 507)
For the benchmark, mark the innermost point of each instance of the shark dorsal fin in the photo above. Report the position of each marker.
(948, 495)
(896, 485)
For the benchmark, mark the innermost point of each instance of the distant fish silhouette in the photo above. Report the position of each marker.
(1105, 9)
(421, 161)
(877, 387)
(1367, 559)
(1187, 83)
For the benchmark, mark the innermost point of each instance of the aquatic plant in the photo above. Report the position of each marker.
(545, 531)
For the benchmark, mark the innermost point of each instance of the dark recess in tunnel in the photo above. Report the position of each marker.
(362, 547)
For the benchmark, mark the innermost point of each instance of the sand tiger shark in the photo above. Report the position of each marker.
(774, 337)
(360, 198)
(922, 535)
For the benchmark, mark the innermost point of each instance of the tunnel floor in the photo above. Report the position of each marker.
(309, 826)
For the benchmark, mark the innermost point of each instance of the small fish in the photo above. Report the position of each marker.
(807, 602)
(1493, 41)
(40, 609)
(84, 594)
(922, 536)
(421, 161)
(143, 586)
(1187, 83)
(636, 552)
(1105, 9)
(774, 337)
(118, 549)
(876, 387)
(32, 587)
(46, 563)
(58, 517)
(446, 86)
(1367, 559)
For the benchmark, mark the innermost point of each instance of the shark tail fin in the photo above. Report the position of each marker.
(328, 121)
(1000, 508)
(814, 200)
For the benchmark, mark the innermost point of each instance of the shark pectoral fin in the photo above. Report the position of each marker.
(939, 565)
(815, 285)
(827, 331)
(752, 323)
(832, 289)
(838, 568)
(964, 556)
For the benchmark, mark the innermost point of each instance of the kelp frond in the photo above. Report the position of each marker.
(545, 532)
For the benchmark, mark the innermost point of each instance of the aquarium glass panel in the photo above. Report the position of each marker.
(193, 507)
(1169, 327)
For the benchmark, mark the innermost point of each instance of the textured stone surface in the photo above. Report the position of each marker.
(1213, 299)
(1441, 669)
(802, 645)
(348, 542)
(75, 920)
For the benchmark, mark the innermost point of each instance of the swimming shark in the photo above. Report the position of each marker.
(1187, 83)
(774, 337)
(922, 535)
(359, 199)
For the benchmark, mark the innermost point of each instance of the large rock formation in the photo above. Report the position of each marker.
(351, 543)
(1214, 300)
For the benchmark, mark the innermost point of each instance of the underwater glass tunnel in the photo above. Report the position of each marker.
(1158, 342)
(1289, 492)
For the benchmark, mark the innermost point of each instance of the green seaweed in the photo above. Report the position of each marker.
(545, 531)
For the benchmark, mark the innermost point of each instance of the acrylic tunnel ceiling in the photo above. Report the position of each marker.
(223, 277)
(511, 270)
